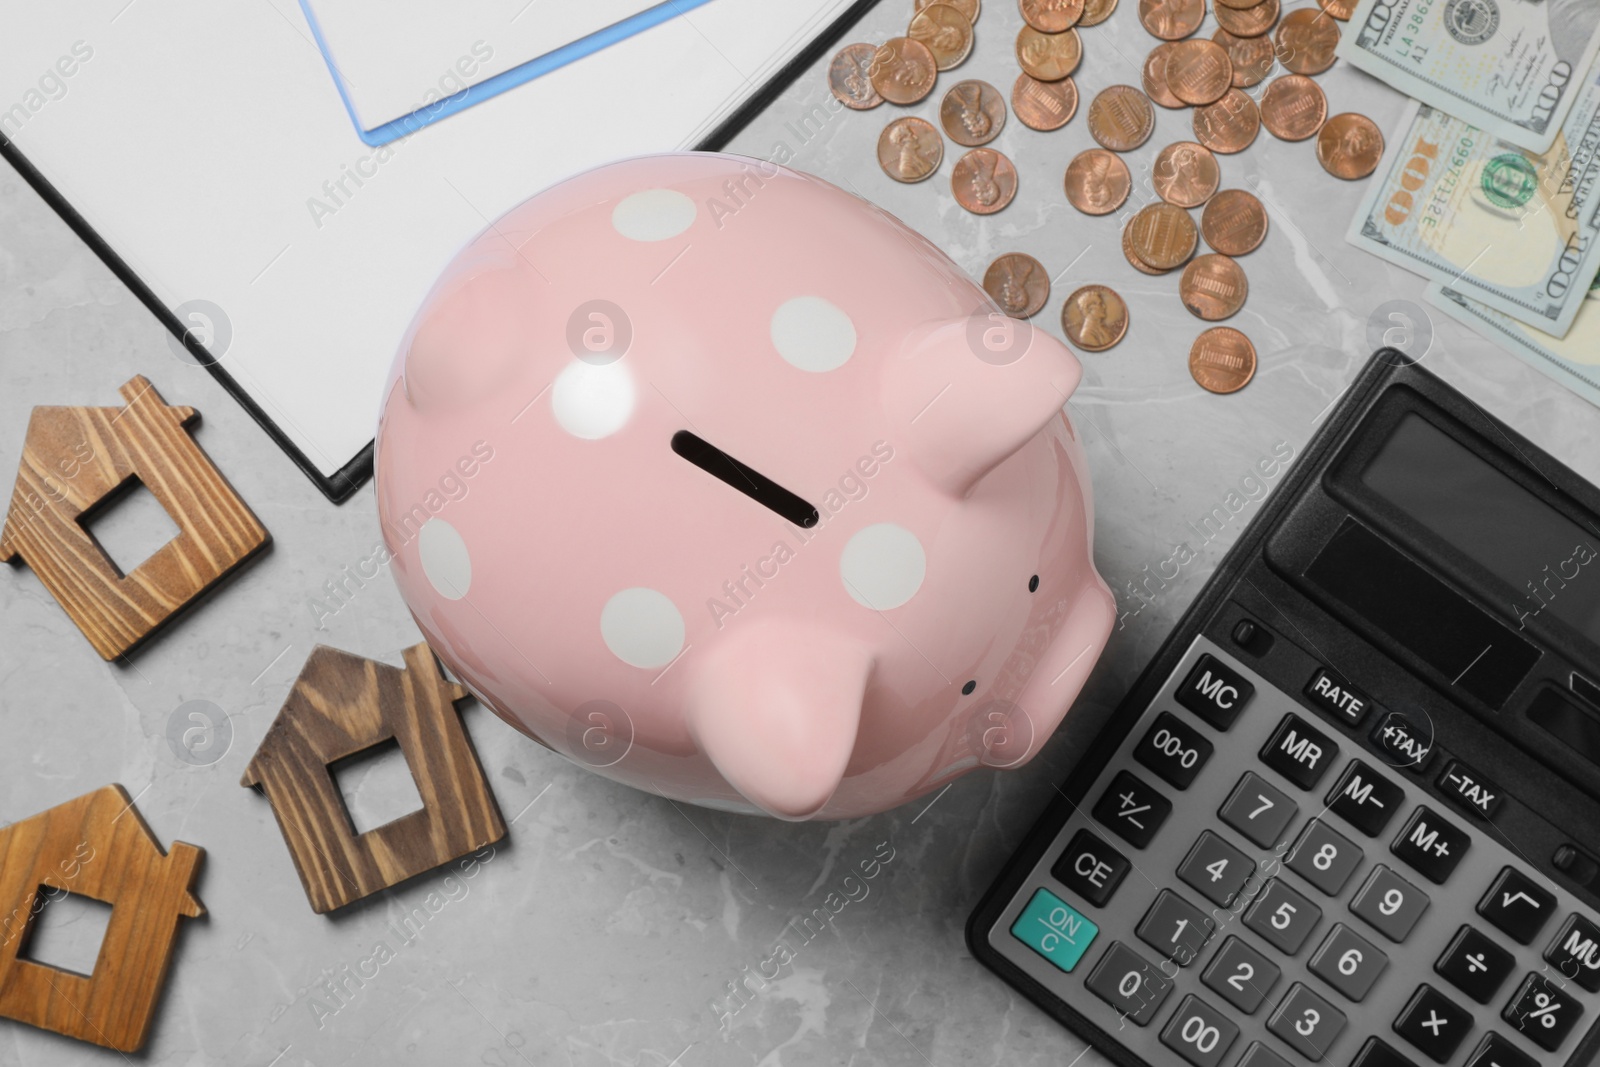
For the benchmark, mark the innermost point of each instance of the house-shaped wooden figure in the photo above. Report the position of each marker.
(97, 846)
(75, 458)
(340, 705)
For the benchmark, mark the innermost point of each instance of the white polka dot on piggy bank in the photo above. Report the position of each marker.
(788, 527)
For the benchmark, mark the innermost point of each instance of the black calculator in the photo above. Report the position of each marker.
(1350, 814)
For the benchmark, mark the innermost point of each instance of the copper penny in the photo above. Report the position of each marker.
(850, 77)
(1048, 56)
(1349, 146)
(946, 32)
(1018, 283)
(1293, 107)
(1094, 318)
(1133, 259)
(1213, 287)
(1339, 9)
(1252, 57)
(984, 181)
(903, 70)
(1222, 360)
(968, 8)
(1234, 222)
(1199, 72)
(1163, 235)
(1306, 41)
(1172, 20)
(1155, 76)
(1096, 11)
(1044, 105)
(1051, 16)
(1121, 118)
(1229, 125)
(1097, 182)
(1251, 22)
(972, 113)
(1185, 174)
(909, 149)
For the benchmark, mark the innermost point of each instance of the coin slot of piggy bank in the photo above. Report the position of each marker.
(749, 481)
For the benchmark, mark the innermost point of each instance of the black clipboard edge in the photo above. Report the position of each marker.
(342, 484)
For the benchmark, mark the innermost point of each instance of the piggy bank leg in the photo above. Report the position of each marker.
(776, 707)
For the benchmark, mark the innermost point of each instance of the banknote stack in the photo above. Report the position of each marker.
(1492, 183)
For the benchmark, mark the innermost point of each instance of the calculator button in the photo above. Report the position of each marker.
(1365, 798)
(1376, 1054)
(1091, 868)
(1324, 858)
(1402, 741)
(1199, 1033)
(1175, 928)
(1174, 750)
(1542, 1013)
(1575, 953)
(1469, 790)
(1496, 1051)
(1389, 903)
(1335, 696)
(1475, 965)
(1241, 975)
(1517, 904)
(1348, 962)
(1054, 929)
(1125, 981)
(1430, 845)
(1283, 917)
(1215, 868)
(1259, 1055)
(1258, 810)
(1215, 692)
(1433, 1024)
(1133, 810)
(1306, 1023)
(1299, 752)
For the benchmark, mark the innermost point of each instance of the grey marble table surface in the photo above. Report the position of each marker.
(609, 926)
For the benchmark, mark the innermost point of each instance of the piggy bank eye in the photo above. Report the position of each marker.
(1033, 584)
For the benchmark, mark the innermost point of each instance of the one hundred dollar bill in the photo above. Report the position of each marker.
(1573, 360)
(1509, 67)
(1517, 231)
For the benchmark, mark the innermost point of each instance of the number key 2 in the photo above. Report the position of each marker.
(1174, 750)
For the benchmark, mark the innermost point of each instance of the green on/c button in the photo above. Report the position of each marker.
(1054, 929)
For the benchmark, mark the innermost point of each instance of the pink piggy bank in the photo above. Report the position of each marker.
(721, 481)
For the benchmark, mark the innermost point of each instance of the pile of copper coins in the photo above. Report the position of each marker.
(1182, 71)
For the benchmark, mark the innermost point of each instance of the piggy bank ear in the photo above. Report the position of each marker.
(776, 709)
(967, 393)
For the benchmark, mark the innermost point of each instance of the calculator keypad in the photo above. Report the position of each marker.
(1273, 912)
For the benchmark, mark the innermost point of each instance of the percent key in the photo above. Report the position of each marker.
(1542, 1012)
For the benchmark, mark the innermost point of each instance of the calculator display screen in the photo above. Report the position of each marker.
(1552, 561)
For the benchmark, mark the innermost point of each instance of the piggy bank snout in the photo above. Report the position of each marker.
(968, 393)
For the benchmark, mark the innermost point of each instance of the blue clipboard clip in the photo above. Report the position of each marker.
(444, 107)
